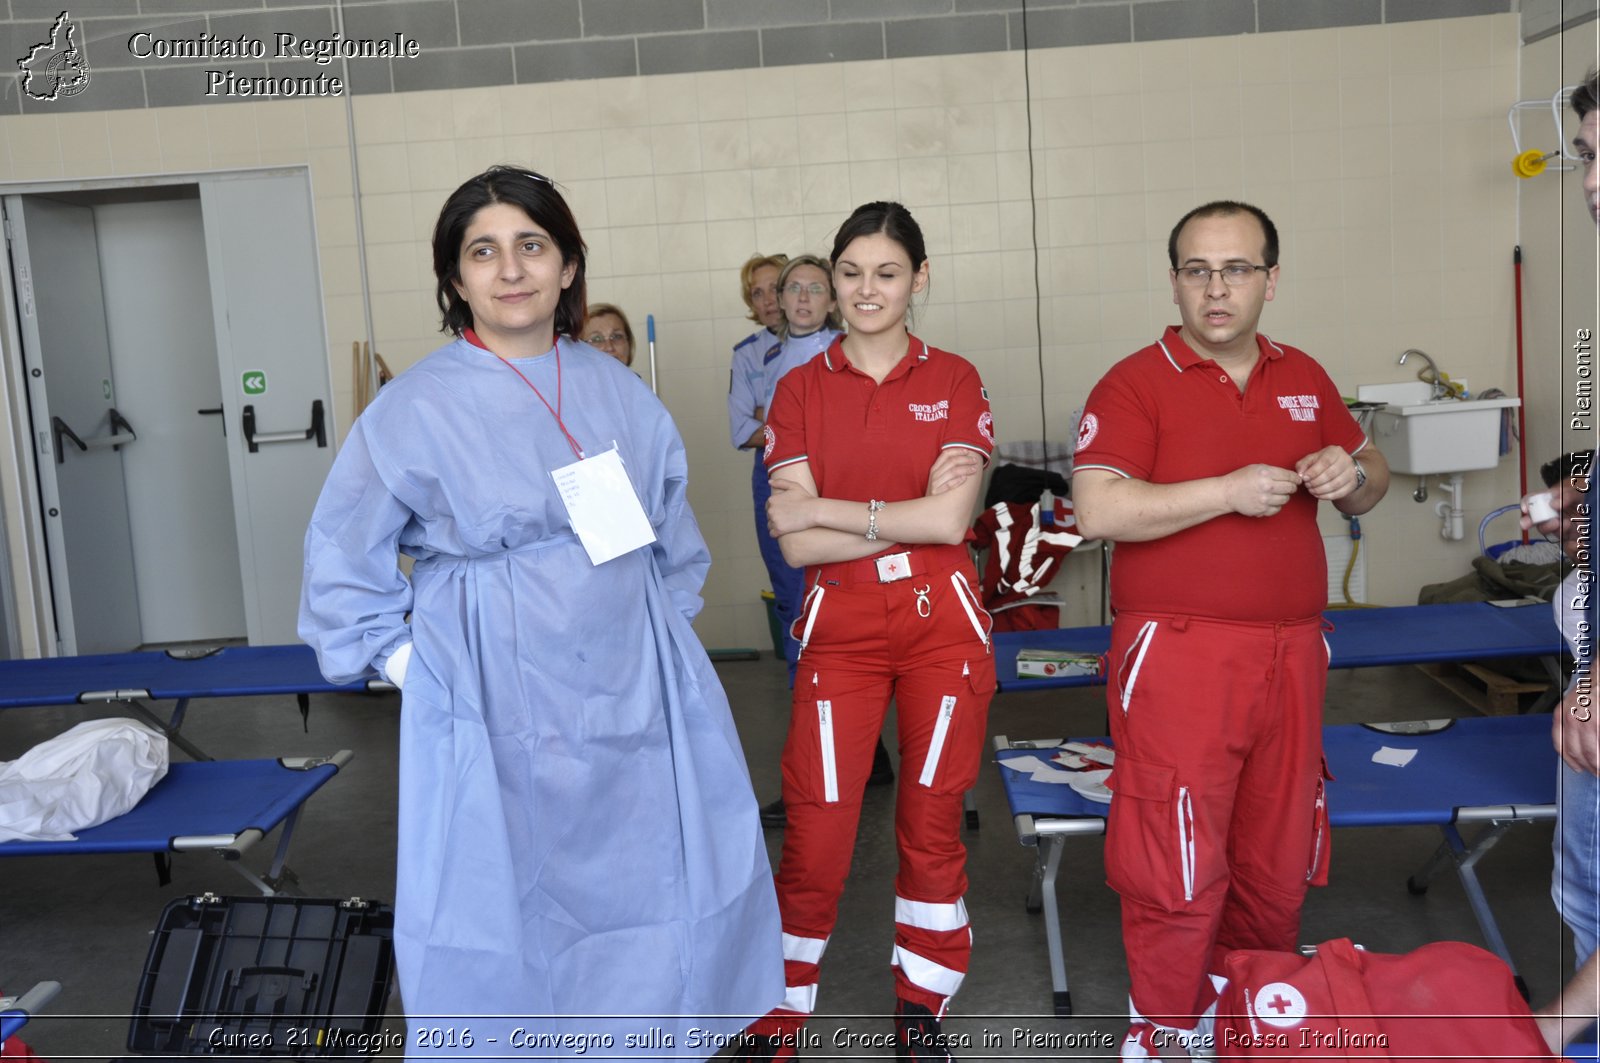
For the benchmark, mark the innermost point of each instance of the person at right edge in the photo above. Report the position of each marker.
(1575, 886)
(1203, 457)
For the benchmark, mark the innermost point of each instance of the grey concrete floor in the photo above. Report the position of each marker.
(85, 921)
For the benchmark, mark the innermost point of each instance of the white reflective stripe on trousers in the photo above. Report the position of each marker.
(968, 599)
(803, 949)
(809, 609)
(1146, 635)
(941, 728)
(925, 974)
(800, 998)
(1186, 841)
(830, 767)
(928, 915)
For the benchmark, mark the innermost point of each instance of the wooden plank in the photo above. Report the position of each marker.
(1484, 689)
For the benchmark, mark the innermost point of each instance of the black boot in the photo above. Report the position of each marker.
(882, 770)
(918, 1037)
(773, 815)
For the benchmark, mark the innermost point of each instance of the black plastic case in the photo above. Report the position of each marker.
(265, 976)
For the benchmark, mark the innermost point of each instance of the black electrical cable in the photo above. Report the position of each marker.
(1033, 205)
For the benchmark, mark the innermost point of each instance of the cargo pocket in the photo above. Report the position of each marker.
(1150, 843)
(1321, 833)
(810, 761)
(955, 751)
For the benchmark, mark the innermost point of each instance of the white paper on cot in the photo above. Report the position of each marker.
(603, 507)
(1026, 765)
(1397, 757)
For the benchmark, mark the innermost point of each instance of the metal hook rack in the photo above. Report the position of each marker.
(1532, 162)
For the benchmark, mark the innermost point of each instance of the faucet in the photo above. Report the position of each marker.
(1433, 378)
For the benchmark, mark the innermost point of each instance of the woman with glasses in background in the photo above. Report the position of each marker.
(607, 329)
(810, 322)
(577, 833)
(808, 319)
(747, 419)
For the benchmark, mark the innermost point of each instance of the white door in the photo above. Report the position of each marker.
(272, 351)
(71, 395)
(164, 357)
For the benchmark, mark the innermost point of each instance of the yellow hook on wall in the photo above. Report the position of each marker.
(1531, 162)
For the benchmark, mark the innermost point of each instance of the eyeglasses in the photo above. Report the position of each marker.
(813, 289)
(600, 339)
(1233, 274)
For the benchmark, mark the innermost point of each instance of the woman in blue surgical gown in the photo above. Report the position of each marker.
(578, 835)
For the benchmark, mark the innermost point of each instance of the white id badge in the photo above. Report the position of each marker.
(603, 508)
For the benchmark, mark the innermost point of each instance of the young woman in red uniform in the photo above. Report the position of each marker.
(873, 450)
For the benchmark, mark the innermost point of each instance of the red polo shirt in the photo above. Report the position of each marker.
(1166, 415)
(866, 440)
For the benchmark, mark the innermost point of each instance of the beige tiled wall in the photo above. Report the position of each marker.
(1381, 151)
(1559, 251)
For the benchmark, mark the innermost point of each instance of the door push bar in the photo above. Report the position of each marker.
(121, 432)
(317, 430)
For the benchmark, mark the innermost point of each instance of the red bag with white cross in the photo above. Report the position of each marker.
(1445, 1001)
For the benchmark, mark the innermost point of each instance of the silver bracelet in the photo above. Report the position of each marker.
(873, 505)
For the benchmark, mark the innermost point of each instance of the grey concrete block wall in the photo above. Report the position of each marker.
(832, 43)
(1165, 20)
(1541, 18)
(457, 67)
(514, 21)
(1066, 27)
(945, 36)
(682, 53)
(1275, 15)
(742, 14)
(1417, 10)
(485, 42)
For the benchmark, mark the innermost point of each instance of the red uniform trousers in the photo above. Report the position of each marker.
(1219, 822)
(923, 642)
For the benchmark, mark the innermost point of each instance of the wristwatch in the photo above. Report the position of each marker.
(1361, 476)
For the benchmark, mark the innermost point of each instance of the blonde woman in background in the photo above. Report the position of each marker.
(607, 329)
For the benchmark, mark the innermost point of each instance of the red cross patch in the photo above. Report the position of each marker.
(1280, 1004)
(1088, 428)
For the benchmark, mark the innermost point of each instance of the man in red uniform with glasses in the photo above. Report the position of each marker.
(1204, 456)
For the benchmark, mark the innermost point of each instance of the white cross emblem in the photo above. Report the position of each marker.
(1280, 1004)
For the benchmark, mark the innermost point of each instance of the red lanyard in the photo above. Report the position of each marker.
(555, 411)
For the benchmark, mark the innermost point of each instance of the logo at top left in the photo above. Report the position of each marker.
(58, 67)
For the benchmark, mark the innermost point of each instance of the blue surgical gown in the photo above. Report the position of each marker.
(578, 834)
